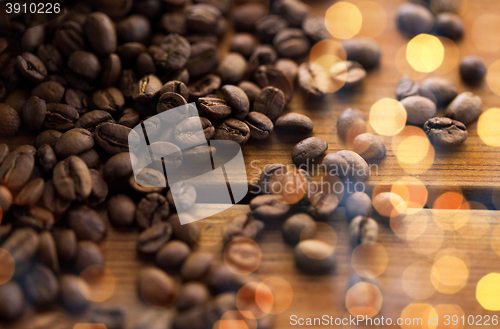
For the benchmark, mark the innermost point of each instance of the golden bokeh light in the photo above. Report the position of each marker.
(243, 256)
(369, 259)
(489, 121)
(416, 315)
(416, 280)
(484, 32)
(404, 68)
(410, 227)
(454, 312)
(7, 266)
(414, 152)
(97, 283)
(343, 20)
(451, 210)
(326, 233)
(387, 117)
(235, 320)
(374, 19)
(389, 204)
(364, 299)
(429, 241)
(452, 55)
(449, 274)
(321, 51)
(488, 292)
(255, 300)
(473, 225)
(425, 53)
(282, 294)
(413, 191)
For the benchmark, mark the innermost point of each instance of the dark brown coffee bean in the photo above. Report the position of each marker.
(242, 255)
(346, 164)
(270, 102)
(191, 295)
(41, 286)
(148, 181)
(172, 255)
(66, 245)
(134, 28)
(154, 237)
(12, 302)
(72, 179)
(449, 25)
(298, 227)
(250, 89)
(201, 18)
(33, 37)
(413, 19)
(466, 108)
(176, 87)
(472, 70)
(267, 27)
(77, 99)
(101, 33)
(48, 251)
(369, 146)
(364, 51)
(127, 81)
(213, 108)
(33, 113)
(243, 225)
(314, 256)
(232, 129)
(16, 170)
(189, 233)
(99, 189)
(4, 152)
(85, 64)
(324, 203)
(87, 223)
(314, 80)
(351, 123)
(130, 118)
(232, 68)
(30, 193)
(441, 90)
(248, 14)
(60, 116)
(119, 167)
(152, 209)
(73, 142)
(16, 99)
(114, 138)
(187, 131)
(121, 210)
(92, 119)
(362, 229)
(347, 74)
(406, 87)
(110, 100)
(289, 67)
(237, 100)
(271, 76)
(267, 207)
(196, 266)
(308, 149)
(73, 292)
(419, 109)
(22, 245)
(203, 59)
(170, 155)
(205, 86)
(130, 50)
(243, 43)
(260, 125)
(31, 67)
(174, 22)
(267, 172)
(37, 218)
(291, 43)
(173, 54)
(51, 57)
(50, 91)
(315, 29)
(25, 149)
(88, 254)
(445, 132)
(53, 201)
(111, 70)
(358, 204)
(293, 11)
(113, 317)
(146, 89)
(294, 122)
(157, 288)
(10, 123)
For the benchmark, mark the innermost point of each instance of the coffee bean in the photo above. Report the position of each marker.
(308, 149)
(99, 189)
(271, 76)
(33, 113)
(314, 80)
(243, 225)
(267, 172)
(101, 33)
(92, 119)
(157, 288)
(25, 149)
(168, 155)
(198, 154)
(315, 29)
(324, 202)
(406, 87)
(10, 123)
(189, 233)
(201, 18)
(109, 99)
(41, 286)
(248, 14)
(233, 130)
(362, 51)
(413, 19)
(263, 55)
(242, 255)
(78, 100)
(48, 251)
(358, 204)
(88, 254)
(472, 70)
(298, 227)
(389, 205)
(12, 302)
(267, 27)
(445, 132)
(22, 245)
(121, 210)
(114, 138)
(72, 179)
(16, 170)
(36, 218)
(289, 67)
(130, 118)
(243, 43)
(196, 266)
(73, 294)
(134, 28)
(48, 137)
(146, 89)
(294, 122)
(31, 67)
(60, 116)
(205, 86)
(84, 64)
(213, 108)
(291, 43)
(148, 181)
(51, 57)
(74, 141)
(16, 99)
(172, 255)
(441, 91)
(314, 256)
(362, 230)
(232, 68)
(260, 125)
(203, 59)
(250, 89)
(369, 146)
(113, 317)
(90, 157)
(173, 53)
(49, 91)
(185, 196)
(177, 87)
(347, 74)
(449, 25)
(52, 201)
(191, 295)
(270, 102)
(346, 164)
(4, 152)
(30, 193)
(187, 131)
(153, 238)
(237, 99)
(294, 11)
(267, 207)
(152, 209)
(289, 186)
(87, 223)
(111, 70)
(66, 245)
(466, 108)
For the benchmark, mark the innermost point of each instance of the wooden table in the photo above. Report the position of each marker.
(473, 169)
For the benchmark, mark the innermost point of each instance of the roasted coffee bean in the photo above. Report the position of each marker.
(243, 225)
(201, 18)
(88, 254)
(16, 99)
(25, 149)
(41, 286)
(47, 158)
(237, 99)
(198, 154)
(153, 238)
(191, 295)
(189, 233)
(185, 196)
(121, 210)
(324, 203)
(242, 256)
(177, 87)
(445, 132)
(358, 204)
(87, 223)
(389, 205)
(213, 108)
(60, 116)
(134, 28)
(441, 90)
(33, 113)
(294, 11)
(449, 25)
(314, 80)
(66, 245)
(30, 193)
(363, 51)
(406, 87)
(233, 130)
(152, 209)
(48, 251)
(130, 118)
(146, 89)
(232, 68)
(10, 123)
(109, 99)
(157, 288)
(205, 86)
(413, 19)
(243, 43)
(250, 89)
(173, 54)
(92, 119)
(51, 57)
(369, 146)
(52, 201)
(347, 74)
(4, 152)
(12, 302)
(260, 125)
(271, 76)
(127, 81)
(267, 27)
(466, 108)
(267, 172)
(37, 218)
(148, 181)
(119, 167)
(187, 131)
(74, 141)
(50, 91)
(114, 138)
(172, 255)
(101, 33)
(90, 157)
(298, 227)
(33, 37)
(77, 99)
(196, 266)
(289, 186)
(294, 122)
(291, 43)
(289, 67)
(111, 70)
(99, 189)
(267, 207)
(362, 230)
(22, 245)
(314, 256)
(315, 29)
(112, 317)
(31, 67)
(73, 294)
(472, 70)
(84, 64)
(203, 59)
(16, 170)
(221, 279)
(346, 164)
(263, 55)
(72, 179)
(248, 14)
(308, 149)
(270, 102)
